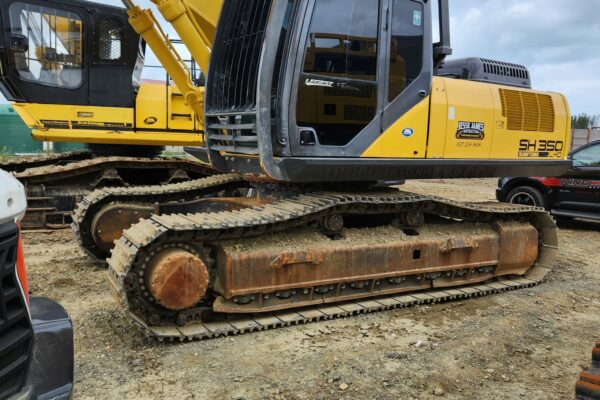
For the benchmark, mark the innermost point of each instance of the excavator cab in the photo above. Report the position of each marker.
(72, 70)
(66, 52)
(338, 90)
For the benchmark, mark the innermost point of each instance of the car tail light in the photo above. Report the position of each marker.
(549, 182)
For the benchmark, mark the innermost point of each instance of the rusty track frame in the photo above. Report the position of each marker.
(292, 213)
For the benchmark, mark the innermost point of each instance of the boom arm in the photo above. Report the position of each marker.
(195, 22)
(146, 25)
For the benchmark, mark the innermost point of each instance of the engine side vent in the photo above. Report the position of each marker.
(526, 111)
(485, 70)
(505, 69)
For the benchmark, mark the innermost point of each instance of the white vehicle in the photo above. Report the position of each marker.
(36, 334)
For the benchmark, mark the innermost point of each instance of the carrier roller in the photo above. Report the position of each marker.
(302, 258)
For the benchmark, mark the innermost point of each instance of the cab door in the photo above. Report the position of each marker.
(362, 66)
(115, 50)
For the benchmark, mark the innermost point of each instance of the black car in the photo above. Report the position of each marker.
(36, 334)
(573, 195)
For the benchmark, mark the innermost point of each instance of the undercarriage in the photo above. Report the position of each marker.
(297, 258)
(56, 184)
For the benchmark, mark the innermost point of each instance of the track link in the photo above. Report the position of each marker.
(133, 250)
(143, 195)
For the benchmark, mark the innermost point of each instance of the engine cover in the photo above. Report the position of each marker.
(484, 70)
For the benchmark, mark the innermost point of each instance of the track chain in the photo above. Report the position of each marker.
(249, 324)
(93, 202)
(23, 164)
(131, 251)
(55, 172)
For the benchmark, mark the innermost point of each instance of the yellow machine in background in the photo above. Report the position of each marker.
(51, 43)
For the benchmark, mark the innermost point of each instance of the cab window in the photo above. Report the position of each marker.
(50, 48)
(588, 157)
(110, 39)
(337, 94)
(406, 55)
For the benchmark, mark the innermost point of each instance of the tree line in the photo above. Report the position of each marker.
(585, 121)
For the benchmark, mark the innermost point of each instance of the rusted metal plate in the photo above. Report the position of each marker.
(110, 222)
(273, 266)
(518, 249)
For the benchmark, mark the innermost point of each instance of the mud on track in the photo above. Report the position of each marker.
(530, 344)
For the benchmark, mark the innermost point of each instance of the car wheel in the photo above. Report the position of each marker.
(527, 196)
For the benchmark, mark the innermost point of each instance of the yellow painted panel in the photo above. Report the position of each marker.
(111, 137)
(532, 144)
(181, 117)
(25, 114)
(470, 104)
(51, 115)
(398, 142)
(151, 106)
(438, 119)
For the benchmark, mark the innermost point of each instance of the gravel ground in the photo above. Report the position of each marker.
(529, 344)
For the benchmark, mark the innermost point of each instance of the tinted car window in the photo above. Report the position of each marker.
(589, 157)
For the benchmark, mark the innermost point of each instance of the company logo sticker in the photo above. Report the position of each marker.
(318, 82)
(470, 131)
(408, 132)
(150, 121)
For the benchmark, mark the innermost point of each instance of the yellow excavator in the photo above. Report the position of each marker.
(312, 108)
(72, 71)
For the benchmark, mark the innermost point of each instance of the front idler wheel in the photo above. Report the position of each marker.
(177, 279)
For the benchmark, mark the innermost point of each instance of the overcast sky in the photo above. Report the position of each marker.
(558, 40)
